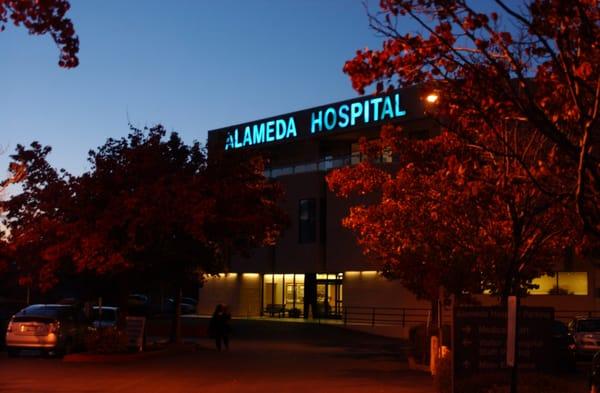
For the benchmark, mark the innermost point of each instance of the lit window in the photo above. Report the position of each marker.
(562, 283)
(575, 283)
(545, 283)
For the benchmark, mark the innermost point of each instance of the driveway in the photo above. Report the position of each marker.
(265, 356)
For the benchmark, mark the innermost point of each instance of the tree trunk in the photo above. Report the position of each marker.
(514, 374)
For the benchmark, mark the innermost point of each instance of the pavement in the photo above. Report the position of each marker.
(264, 356)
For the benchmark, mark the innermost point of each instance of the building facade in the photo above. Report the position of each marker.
(316, 268)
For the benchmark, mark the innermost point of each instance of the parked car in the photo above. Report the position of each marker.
(185, 306)
(53, 329)
(105, 317)
(139, 305)
(595, 374)
(189, 300)
(586, 334)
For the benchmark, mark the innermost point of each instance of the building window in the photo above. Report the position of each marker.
(562, 283)
(307, 221)
(283, 293)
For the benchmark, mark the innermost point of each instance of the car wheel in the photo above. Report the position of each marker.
(12, 353)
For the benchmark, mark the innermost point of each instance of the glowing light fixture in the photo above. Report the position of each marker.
(432, 98)
(227, 275)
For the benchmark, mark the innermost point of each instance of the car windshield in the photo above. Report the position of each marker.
(43, 311)
(588, 325)
(108, 314)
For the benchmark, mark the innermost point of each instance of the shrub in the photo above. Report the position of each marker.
(106, 341)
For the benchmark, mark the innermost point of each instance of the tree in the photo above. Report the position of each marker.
(32, 216)
(42, 17)
(543, 73)
(150, 208)
(454, 216)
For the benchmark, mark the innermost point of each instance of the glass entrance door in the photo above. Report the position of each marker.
(329, 295)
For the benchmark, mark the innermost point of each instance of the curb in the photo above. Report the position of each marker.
(110, 358)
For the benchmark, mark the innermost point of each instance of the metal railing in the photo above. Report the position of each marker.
(408, 317)
(389, 316)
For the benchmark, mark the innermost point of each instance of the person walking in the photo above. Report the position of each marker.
(219, 328)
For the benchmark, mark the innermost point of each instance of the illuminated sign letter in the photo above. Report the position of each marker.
(229, 142)
(247, 136)
(280, 129)
(330, 114)
(344, 119)
(356, 110)
(387, 108)
(399, 112)
(258, 133)
(366, 110)
(291, 130)
(235, 138)
(270, 131)
(376, 102)
(314, 121)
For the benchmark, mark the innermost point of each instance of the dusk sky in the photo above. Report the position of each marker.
(190, 65)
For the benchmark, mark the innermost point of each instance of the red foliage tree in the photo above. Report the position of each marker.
(543, 72)
(150, 209)
(32, 217)
(494, 198)
(42, 17)
(455, 216)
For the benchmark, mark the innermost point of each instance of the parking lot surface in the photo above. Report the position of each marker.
(264, 357)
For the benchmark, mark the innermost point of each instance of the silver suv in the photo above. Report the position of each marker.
(586, 333)
(53, 329)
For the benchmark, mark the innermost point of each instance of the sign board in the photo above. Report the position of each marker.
(344, 116)
(480, 339)
(135, 332)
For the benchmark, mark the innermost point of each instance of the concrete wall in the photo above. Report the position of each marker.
(371, 289)
(241, 292)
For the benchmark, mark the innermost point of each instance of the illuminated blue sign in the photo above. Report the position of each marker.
(325, 119)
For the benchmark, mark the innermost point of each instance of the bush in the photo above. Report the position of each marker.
(106, 341)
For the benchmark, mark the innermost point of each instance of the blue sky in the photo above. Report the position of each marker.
(190, 65)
